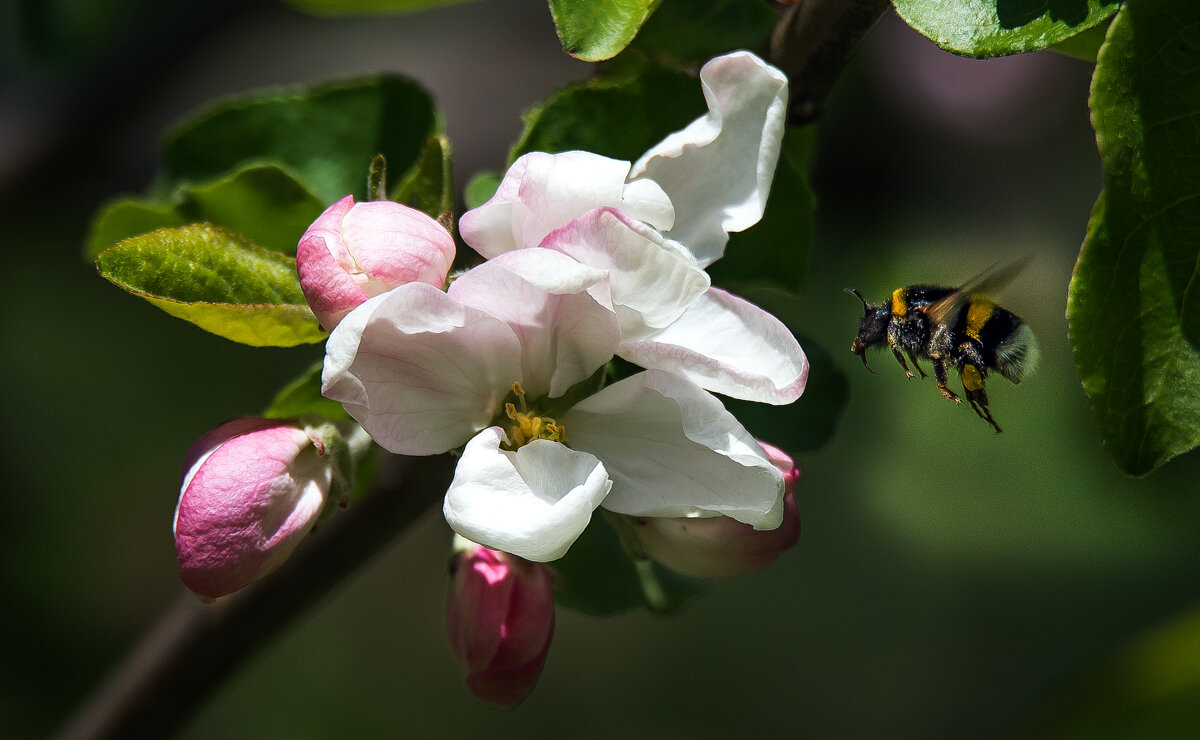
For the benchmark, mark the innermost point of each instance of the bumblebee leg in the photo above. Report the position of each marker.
(972, 380)
(916, 364)
(939, 374)
(900, 358)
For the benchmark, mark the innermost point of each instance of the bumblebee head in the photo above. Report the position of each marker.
(872, 327)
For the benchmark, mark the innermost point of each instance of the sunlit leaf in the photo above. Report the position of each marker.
(990, 28)
(593, 30)
(1134, 307)
(217, 280)
(262, 202)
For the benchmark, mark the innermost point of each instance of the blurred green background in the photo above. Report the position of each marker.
(949, 582)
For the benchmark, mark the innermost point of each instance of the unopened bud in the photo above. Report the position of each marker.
(355, 251)
(710, 547)
(500, 617)
(251, 490)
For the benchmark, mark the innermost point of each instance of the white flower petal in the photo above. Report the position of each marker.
(533, 502)
(418, 370)
(542, 192)
(718, 170)
(565, 333)
(727, 345)
(672, 449)
(652, 279)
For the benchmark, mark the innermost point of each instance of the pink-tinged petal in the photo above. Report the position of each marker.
(542, 192)
(355, 251)
(717, 546)
(533, 502)
(500, 619)
(547, 298)
(672, 450)
(419, 371)
(246, 504)
(711, 547)
(393, 244)
(718, 170)
(730, 346)
(325, 267)
(651, 279)
(208, 443)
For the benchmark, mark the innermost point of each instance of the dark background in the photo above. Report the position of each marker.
(949, 582)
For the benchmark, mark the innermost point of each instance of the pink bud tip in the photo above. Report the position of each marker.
(355, 251)
(500, 618)
(251, 490)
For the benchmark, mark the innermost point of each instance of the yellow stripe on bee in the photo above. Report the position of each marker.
(971, 379)
(978, 314)
(899, 304)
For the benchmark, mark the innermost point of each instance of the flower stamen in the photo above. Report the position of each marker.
(527, 427)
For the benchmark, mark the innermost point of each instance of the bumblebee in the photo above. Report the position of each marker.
(951, 326)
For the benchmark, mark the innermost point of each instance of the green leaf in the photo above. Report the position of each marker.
(121, 219)
(775, 251)
(620, 115)
(696, 32)
(1134, 309)
(327, 135)
(263, 203)
(367, 7)
(303, 396)
(593, 30)
(809, 422)
(596, 576)
(429, 185)
(992, 28)
(217, 280)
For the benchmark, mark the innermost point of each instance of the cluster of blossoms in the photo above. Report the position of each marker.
(587, 259)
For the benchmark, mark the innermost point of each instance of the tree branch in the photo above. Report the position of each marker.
(812, 44)
(195, 646)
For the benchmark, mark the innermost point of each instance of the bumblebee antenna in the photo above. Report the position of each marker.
(856, 294)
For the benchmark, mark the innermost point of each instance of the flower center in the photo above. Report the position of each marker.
(527, 426)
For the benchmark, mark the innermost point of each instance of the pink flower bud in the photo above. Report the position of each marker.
(720, 546)
(500, 616)
(252, 489)
(355, 251)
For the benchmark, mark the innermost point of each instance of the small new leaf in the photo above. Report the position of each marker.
(217, 280)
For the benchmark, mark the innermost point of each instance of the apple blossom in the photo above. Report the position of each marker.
(496, 365)
(720, 546)
(500, 619)
(715, 175)
(251, 490)
(696, 185)
(357, 250)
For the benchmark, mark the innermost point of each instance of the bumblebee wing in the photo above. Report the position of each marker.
(989, 281)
